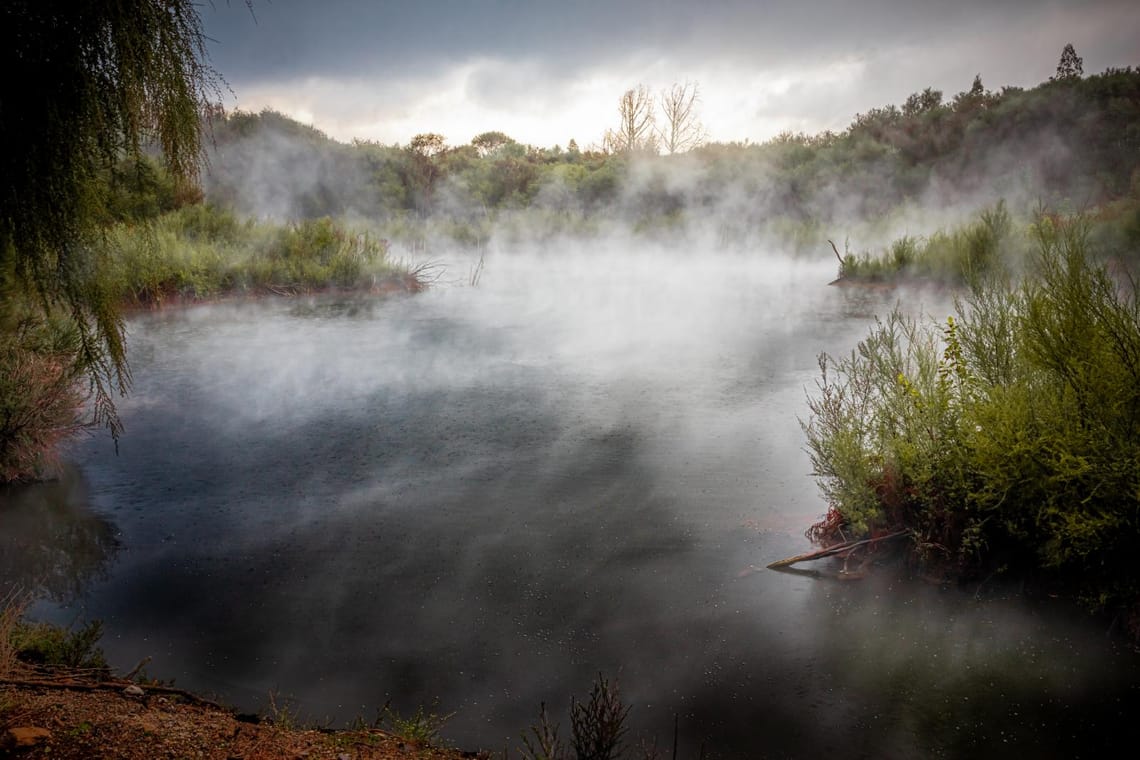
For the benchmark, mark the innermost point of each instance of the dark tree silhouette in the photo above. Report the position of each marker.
(1071, 65)
(86, 85)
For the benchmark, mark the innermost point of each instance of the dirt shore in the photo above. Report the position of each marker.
(72, 715)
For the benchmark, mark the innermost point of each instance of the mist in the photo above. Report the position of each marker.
(928, 166)
(573, 454)
(477, 498)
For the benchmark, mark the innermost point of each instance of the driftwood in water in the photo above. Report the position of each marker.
(842, 278)
(847, 546)
(836, 253)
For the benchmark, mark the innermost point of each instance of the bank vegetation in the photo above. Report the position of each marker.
(1003, 440)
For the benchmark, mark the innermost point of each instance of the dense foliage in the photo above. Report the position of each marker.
(1008, 438)
(121, 74)
(85, 86)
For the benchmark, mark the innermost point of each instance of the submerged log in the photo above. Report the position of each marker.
(847, 546)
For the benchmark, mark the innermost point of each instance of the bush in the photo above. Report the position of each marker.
(597, 728)
(54, 646)
(41, 397)
(1010, 436)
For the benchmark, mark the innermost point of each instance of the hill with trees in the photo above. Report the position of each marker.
(1072, 141)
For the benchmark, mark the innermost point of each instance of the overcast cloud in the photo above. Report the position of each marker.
(545, 72)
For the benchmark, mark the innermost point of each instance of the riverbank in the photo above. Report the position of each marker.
(194, 255)
(74, 714)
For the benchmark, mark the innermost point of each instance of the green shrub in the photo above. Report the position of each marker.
(55, 646)
(1010, 436)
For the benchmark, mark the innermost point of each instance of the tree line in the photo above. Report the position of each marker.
(1073, 137)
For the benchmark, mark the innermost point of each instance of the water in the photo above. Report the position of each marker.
(476, 499)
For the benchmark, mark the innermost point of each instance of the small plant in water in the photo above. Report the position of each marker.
(597, 727)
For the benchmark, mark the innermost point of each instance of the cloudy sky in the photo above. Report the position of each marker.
(546, 71)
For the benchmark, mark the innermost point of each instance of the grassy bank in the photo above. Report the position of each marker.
(193, 253)
(1005, 439)
(55, 676)
(992, 242)
(956, 256)
(201, 252)
(59, 698)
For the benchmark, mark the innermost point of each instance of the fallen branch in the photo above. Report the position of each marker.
(135, 670)
(833, 550)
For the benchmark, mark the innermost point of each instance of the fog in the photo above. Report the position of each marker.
(782, 195)
(478, 498)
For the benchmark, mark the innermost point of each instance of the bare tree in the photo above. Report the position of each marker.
(636, 129)
(682, 130)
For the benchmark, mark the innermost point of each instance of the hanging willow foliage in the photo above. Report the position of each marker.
(85, 85)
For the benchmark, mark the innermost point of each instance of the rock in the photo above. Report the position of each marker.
(25, 736)
(134, 691)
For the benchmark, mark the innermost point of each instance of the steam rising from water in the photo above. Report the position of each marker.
(484, 496)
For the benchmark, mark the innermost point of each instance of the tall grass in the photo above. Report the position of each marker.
(200, 252)
(958, 256)
(1009, 436)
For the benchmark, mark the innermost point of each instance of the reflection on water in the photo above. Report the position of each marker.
(51, 544)
(483, 497)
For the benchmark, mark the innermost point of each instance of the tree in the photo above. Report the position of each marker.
(683, 129)
(428, 144)
(966, 103)
(425, 150)
(922, 102)
(490, 142)
(86, 85)
(1071, 65)
(635, 131)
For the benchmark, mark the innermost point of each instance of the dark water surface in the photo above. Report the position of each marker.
(479, 498)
